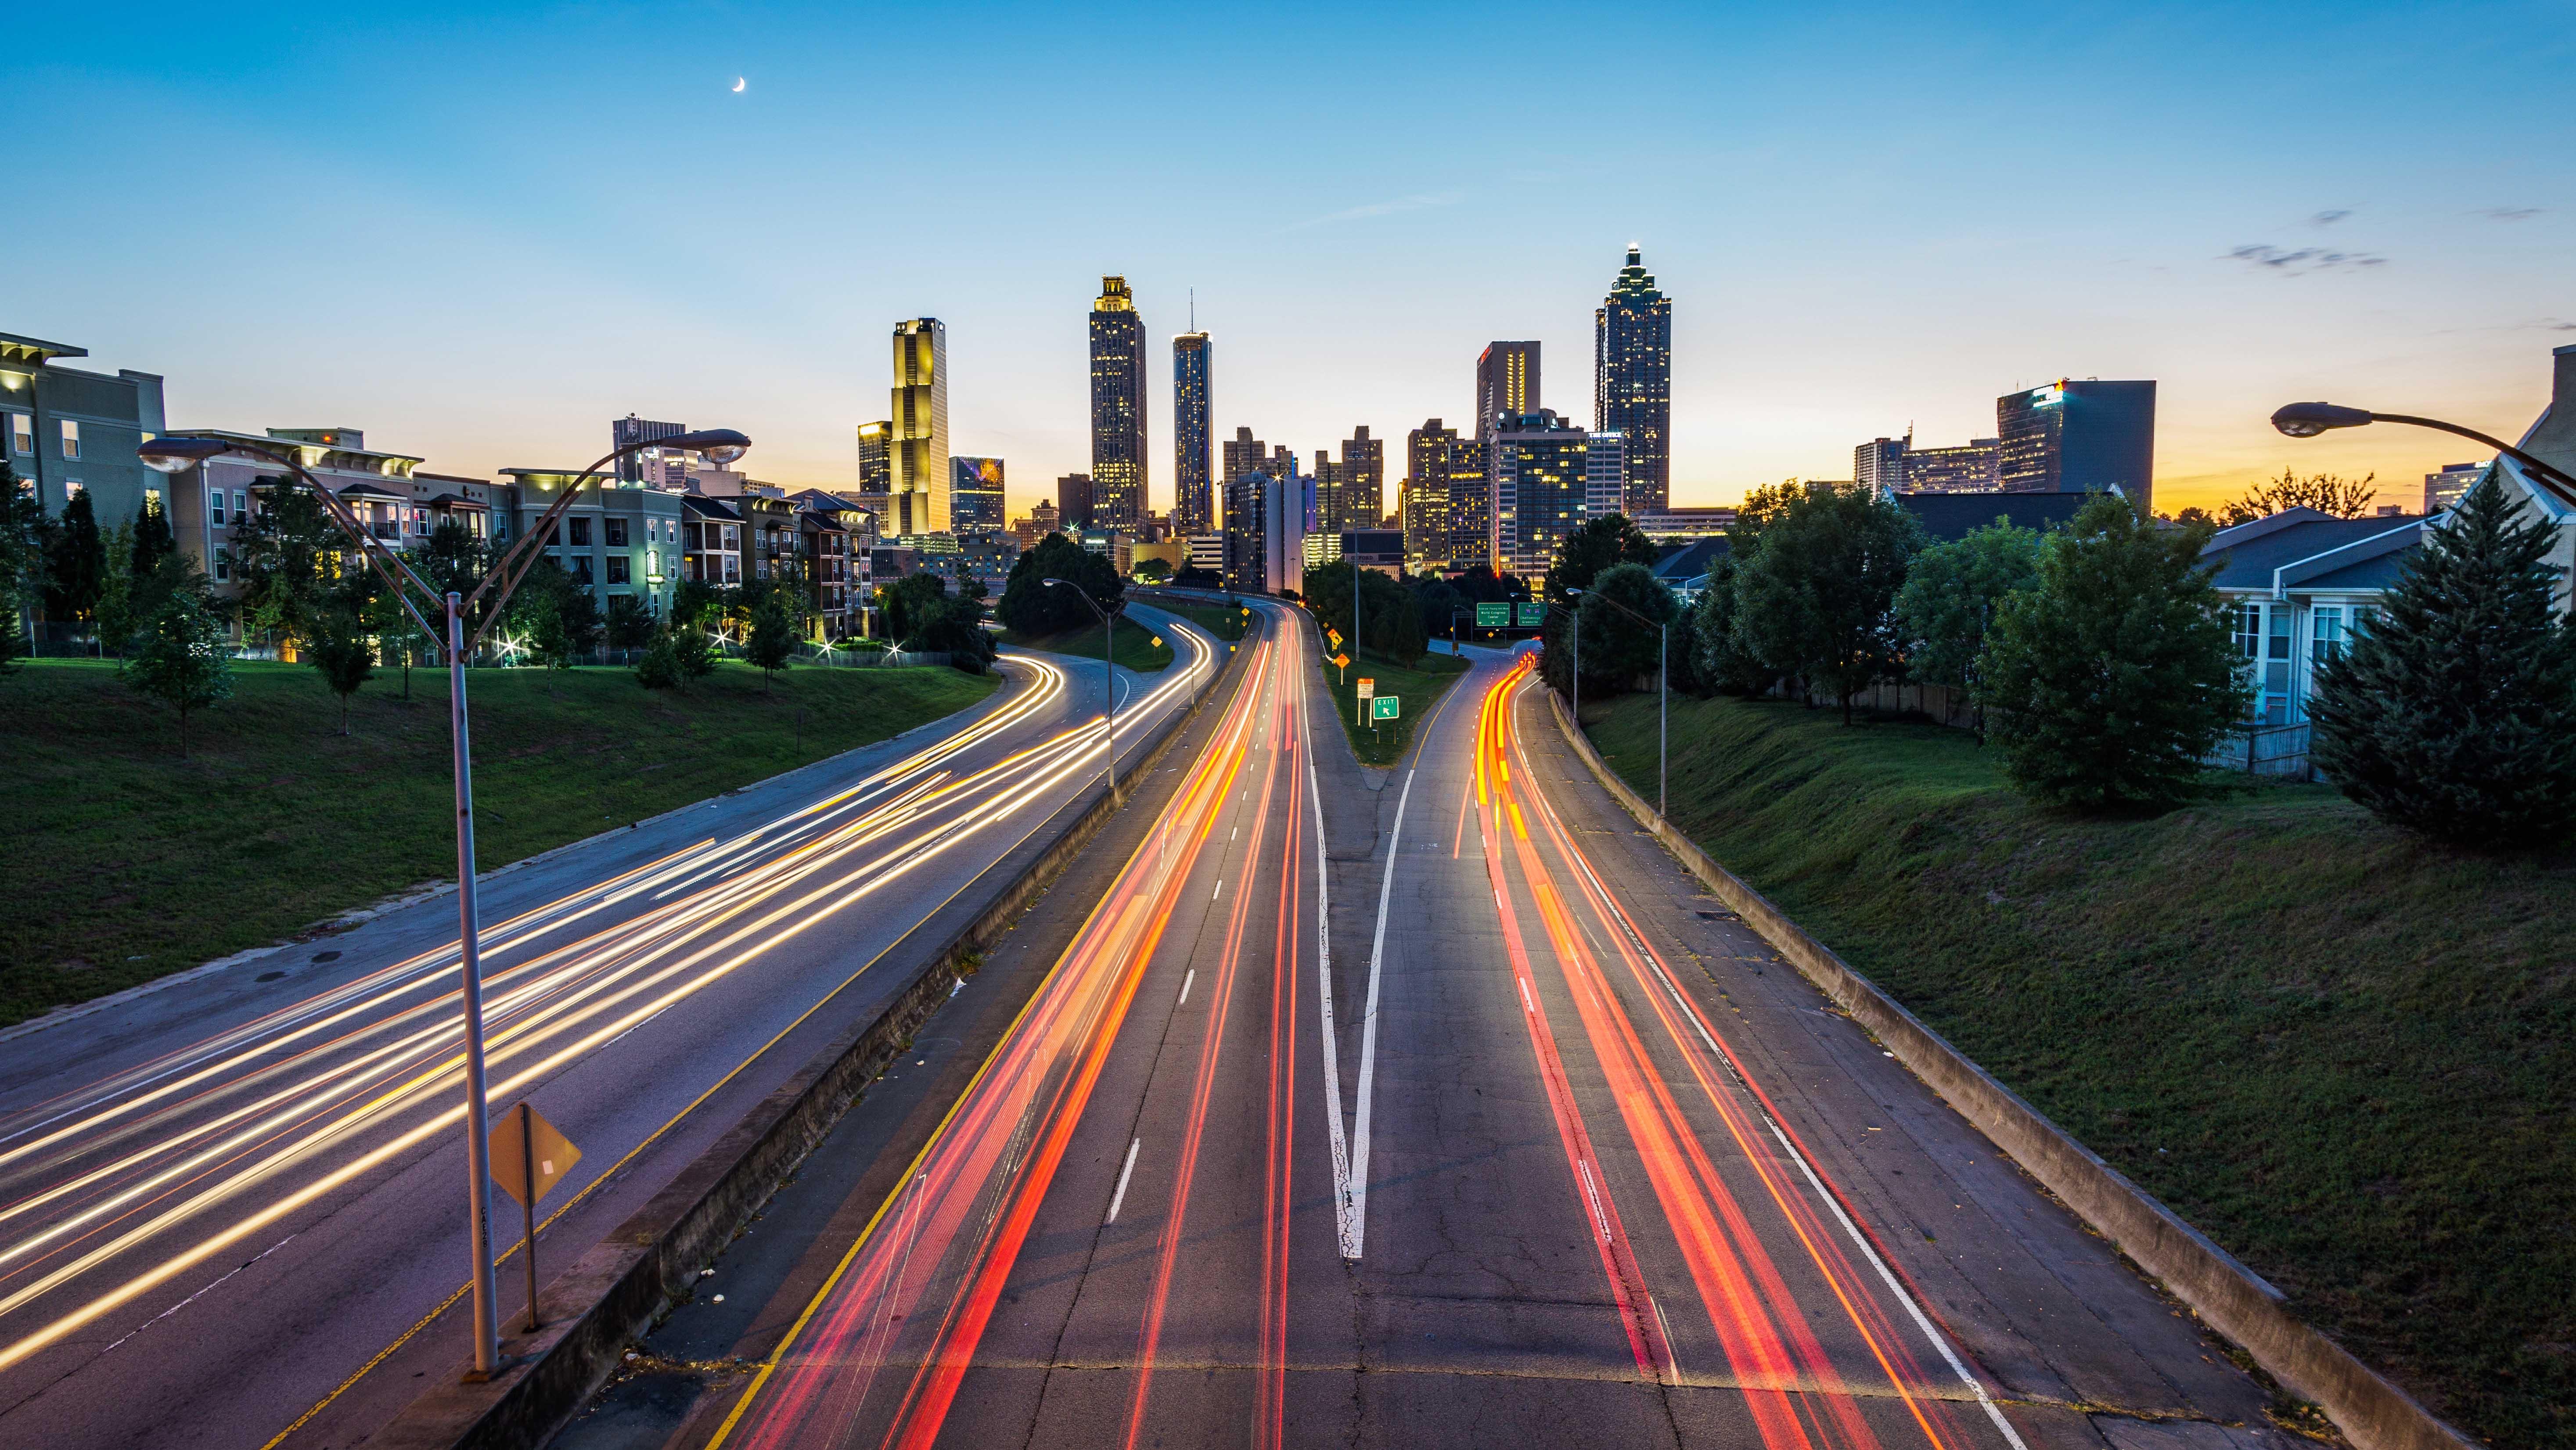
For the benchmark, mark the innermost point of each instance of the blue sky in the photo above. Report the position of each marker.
(481, 232)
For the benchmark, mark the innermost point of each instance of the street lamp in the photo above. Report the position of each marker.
(1663, 683)
(178, 454)
(1108, 674)
(2307, 420)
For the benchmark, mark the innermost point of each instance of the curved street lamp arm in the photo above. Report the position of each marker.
(513, 565)
(2552, 479)
(347, 522)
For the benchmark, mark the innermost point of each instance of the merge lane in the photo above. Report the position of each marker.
(309, 1134)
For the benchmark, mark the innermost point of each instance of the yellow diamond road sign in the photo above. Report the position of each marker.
(526, 1147)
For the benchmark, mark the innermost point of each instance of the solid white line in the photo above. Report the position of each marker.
(1324, 994)
(1120, 1196)
(1355, 1211)
(1187, 977)
(1220, 890)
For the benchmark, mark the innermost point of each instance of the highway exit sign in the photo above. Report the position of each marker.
(1534, 613)
(1385, 707)
(1493, 616)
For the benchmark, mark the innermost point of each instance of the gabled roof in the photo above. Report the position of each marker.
(705, 507)
(369, 490)
(1685, 562)
(2307, 550)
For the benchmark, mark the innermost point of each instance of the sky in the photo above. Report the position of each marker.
(480, 232)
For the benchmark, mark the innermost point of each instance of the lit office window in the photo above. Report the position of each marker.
(71, 438)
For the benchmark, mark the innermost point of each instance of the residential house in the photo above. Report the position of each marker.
(2300, 584)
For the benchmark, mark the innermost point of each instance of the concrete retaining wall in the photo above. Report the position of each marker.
(595, 1309)
(2231, 1298)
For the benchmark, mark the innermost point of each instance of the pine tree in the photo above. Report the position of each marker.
(2115, 672)
(22, 565)
(151, 540)
(660, 667)
(77, 566)
(2454, 714)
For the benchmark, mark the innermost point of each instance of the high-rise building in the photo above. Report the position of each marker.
(1359, 500)
(1471, 503)
(1118, 474)
(1243, 453)
(2078, 436)
(2443, 489)
(1541, 471)
(1426, 502)
(1506, 383)
(637, 467)
(1073, 497)
(918, 478)
(1193, 436)
(1879, 464)
(1966, 469)
(1632, 384)
(1265, 531)
(1605, 480)
(876, 457)
(974, 494)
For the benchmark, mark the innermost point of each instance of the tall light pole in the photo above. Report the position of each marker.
(1663, 683)
(178, 454)
(2307, 420)
(1108, 673)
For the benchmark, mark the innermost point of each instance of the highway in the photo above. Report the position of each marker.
(232, 1211)
(1439, 1107)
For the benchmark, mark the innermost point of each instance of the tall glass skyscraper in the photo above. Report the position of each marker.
(1118, 473)
(1540, 468)
(1632, 384)
(1193, 430)
(1506, 383)
(919, 476)
(2075, 437)
(975, 494)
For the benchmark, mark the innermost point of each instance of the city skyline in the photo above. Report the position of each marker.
(2182, 249)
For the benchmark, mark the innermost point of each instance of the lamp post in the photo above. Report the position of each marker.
(1663, 683)
(2307, 420)
(178, 454)
(1108, 674)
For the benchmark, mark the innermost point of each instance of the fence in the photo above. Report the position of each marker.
(2279, 752)
(2274, 752)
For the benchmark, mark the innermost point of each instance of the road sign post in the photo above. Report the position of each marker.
(1368, 689)
(1386, 707)
(528, 1158)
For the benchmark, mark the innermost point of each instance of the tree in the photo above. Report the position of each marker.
(2343, 498)
(118, 613)
(552, 617)
(1481, 585)
(1154, 570)
(1395, 622)
(396, 634)
(338, 647)
(1028, 607)
(1817, 597)
(660, 667)
(1440, 605)
(22, 565)
(696, 604)
(1617, 649)
(1718, 660)
(151, 540)
(629, 623)
(76, 568)
(1594, 546)
(2116, 671)
(2454, 714)
(694, 650)
(1950, 594)
(179, 658)
(287, 556)
(773, 639)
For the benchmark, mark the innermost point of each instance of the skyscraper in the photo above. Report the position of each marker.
(1426, 503)
(975, 494)
(1193, 435)
(1540, 470)
(2074, 437)
(633, 467)
(876, 457)
(1073, 500)
(1506, 383)
(1879, 464)
(919, 478)
(1632, 384)
(1605, 478)
(1363, 482)
(1118, 474)
(1471, 503)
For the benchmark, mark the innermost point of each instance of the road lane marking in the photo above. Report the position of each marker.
(1220, 891)
(1120, 1196)
(1187, 977)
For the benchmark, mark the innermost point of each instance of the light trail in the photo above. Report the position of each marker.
(153, 1170)
(878, 1355)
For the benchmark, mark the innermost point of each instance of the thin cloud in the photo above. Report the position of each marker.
(1416, 202)
(2329, 218)
(2293, 261)
(2510, 213)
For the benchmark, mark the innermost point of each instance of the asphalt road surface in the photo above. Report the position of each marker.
(1423, 1108)
(232, 1211)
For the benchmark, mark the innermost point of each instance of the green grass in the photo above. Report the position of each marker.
(1135, 646)
(1226, 624)
(1418, 687)
(135, 863)
(2345, 1053)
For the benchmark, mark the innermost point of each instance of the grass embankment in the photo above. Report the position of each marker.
(1417, 688)
(2346, 1054)
(1226, 624)
(133, 863)
(1134, 646)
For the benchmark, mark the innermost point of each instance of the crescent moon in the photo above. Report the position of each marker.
(737, 84)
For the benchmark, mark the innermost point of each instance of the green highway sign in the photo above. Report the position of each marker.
(1534, 613)
(1493, 616)
(1383, 707)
